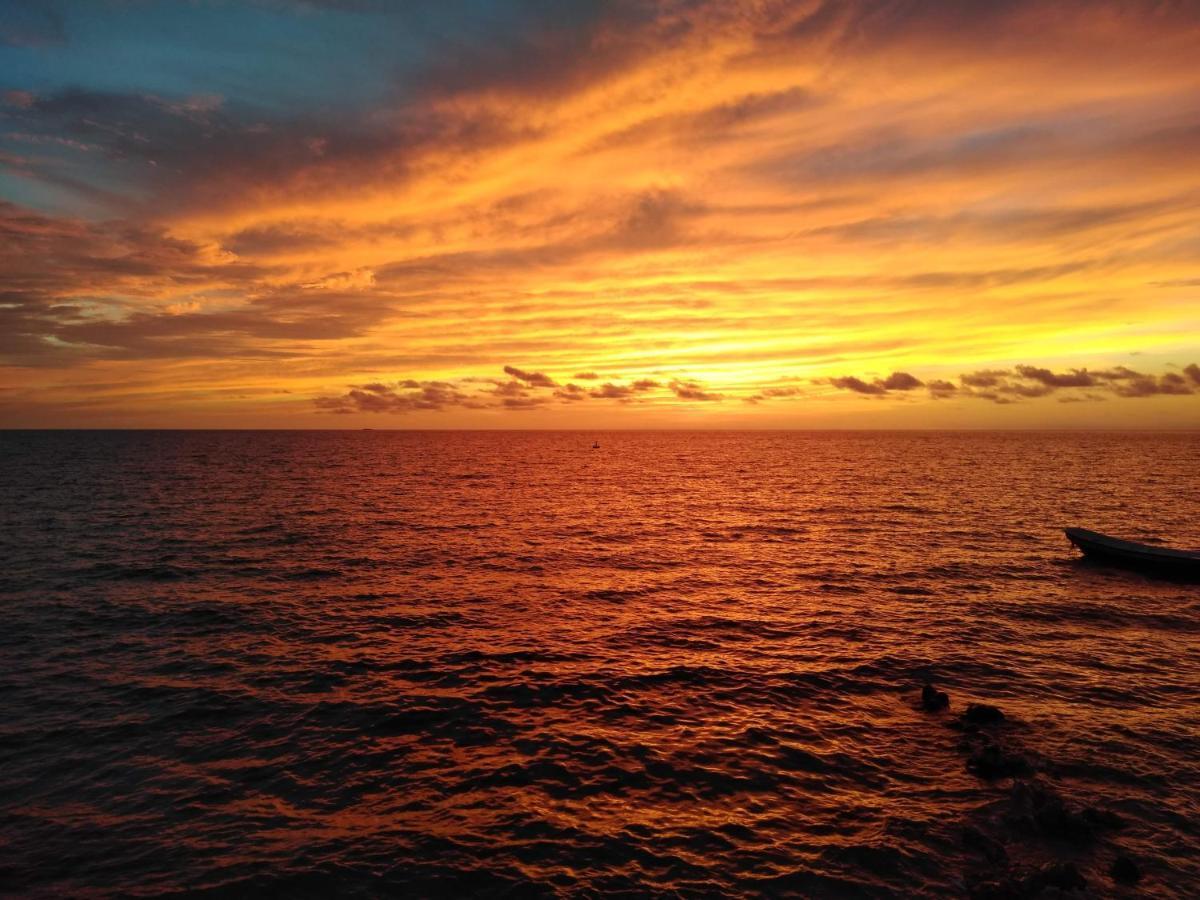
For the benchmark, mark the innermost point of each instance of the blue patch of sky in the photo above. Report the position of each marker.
(272, 59)
(24, 191)
(279, 56)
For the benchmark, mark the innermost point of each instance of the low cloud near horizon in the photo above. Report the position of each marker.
(525, 390)
(1003, 386)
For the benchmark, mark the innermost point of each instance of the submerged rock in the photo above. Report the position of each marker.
(1057, 820)
(988, 847)
(992, 889)
(982, 714)
(1051, 880)
(932, 699)
(1063, 876)
(1125, 871)
(993, 761)
(1103, 818)
(1050, 814)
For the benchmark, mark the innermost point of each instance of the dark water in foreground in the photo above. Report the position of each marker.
(509, 665)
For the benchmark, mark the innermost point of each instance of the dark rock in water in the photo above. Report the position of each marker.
(932, 699)
(977, 842)
(1063, 876)
(992, 890)
(1049, 813)
(1051, 880)
(982, 714)
(1125, 871)
(1056, 819)
(1103, 818)
(992, 761)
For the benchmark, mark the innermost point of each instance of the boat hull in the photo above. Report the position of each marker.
(1132, 555)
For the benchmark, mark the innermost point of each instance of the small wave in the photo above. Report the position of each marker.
(315, 573)
(615, 595)
(415, 620)
(119, 572)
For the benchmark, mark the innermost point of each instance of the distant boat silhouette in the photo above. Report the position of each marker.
(595, 445)
(1164, 560)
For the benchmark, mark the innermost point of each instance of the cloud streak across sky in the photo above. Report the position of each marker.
(791, 204)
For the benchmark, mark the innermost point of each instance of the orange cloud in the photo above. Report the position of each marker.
(713, 201)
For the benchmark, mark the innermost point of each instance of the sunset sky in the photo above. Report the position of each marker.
(570, 214)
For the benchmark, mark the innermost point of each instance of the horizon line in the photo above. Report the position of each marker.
(1047, 430)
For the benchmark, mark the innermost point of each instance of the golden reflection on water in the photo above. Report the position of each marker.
(457, 663)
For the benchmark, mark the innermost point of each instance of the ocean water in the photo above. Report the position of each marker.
(506, 664)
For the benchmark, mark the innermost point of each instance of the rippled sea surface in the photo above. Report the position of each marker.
(507, 664)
